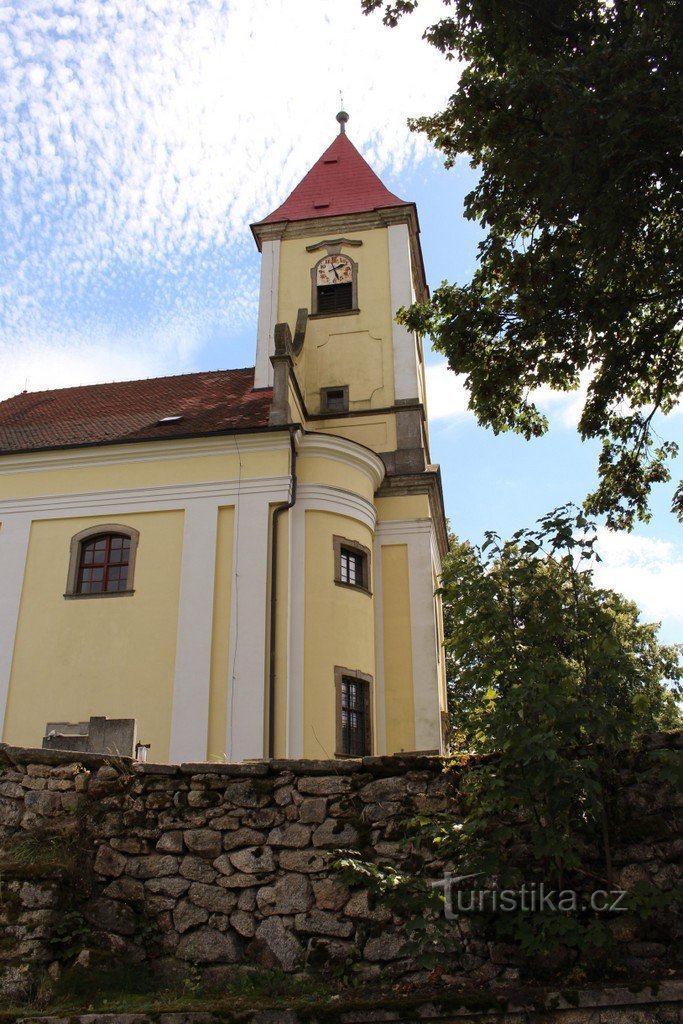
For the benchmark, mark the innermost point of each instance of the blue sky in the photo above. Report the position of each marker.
(138, 140)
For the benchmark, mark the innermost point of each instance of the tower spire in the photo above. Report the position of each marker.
(342, 117)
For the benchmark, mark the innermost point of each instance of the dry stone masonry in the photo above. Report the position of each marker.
(217, 865)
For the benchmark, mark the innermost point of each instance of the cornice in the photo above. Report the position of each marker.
(150, 451)
(339, 225)
(428, 483)
(275, 488)
(325, 498)
(349, 453)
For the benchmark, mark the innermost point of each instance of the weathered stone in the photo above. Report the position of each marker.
(153, 866)
(243, 923)
(198, 870)
(11, 811)
(110, 915)
(156, 905)
(276, 947)
(129, 845)
(334, 834)
(255, 860)
(171, 887)
(382, 790)
(313, 811)
(12, 789)
(37, 896)
(204, 842)
(384, 947)
(307, 861)
(207, 945)
(283, 796)
(223, 864)
(125, 889)
(291, 894)
(212, 897)
(244, 881)
(329, 895)
(243, 837)
(261, 817)
(359, 906)
(245, 794)
(324, 786)
(320, 922)
(109, 862)
(171, 842)
(247, 899)
(186, 915)
(381, 812)
(290, 835)
(43, 802)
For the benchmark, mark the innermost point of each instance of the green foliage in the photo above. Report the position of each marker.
(69, 936)
(571, 110)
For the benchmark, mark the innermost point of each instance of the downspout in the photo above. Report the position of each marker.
(273, 594)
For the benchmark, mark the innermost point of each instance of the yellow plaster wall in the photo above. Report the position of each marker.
(339, 628)
(220, 637)
(132, 466)
(409, 506)
(378, 434)
(398, 652)
(112, 656)
(351, 349)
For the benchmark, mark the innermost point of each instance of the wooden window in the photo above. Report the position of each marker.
(334, 399)
(333, 298)
(351, 564)
(101, 562)
(354, 724)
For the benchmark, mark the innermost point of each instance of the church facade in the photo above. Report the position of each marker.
(243, 561)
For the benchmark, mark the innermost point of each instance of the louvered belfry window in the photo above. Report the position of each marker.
(334, 298)
(103, 564)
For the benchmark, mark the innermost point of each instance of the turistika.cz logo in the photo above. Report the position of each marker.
(533, 897)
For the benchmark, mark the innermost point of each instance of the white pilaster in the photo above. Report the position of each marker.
(267, 315)
(404, 348)
(380, 694)
(190, 717)
(417, 536)
(248, 620)
(295, 644)
(14, 537)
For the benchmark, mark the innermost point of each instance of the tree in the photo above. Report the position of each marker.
(571, 110)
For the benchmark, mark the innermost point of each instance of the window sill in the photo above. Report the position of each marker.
(351, 757)
(336, 312)
(110, 593)
(353, 586)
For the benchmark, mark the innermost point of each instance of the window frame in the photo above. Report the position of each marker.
(76, 545)
(355, 676)
(314, 289)
(356, 548)
(324, 394)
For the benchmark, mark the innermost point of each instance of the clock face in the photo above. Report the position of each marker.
(334, 270)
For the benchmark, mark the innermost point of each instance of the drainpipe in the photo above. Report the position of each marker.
(273, 594)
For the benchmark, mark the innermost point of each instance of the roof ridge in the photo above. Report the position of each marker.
(131, 380)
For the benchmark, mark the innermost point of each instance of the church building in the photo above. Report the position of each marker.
(245, 562)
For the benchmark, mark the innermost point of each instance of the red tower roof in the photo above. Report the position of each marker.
(340, 182)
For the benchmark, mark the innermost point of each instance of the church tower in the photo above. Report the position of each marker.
(340, 257)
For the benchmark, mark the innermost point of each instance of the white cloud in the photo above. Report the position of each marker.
(648, 570)
(447, 396)
(137, 134)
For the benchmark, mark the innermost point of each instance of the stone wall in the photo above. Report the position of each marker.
(215, 865)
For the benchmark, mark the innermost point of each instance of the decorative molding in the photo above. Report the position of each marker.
(147, 498)
(350, 453)
(323, 498)
(144, 451)
(333, 245)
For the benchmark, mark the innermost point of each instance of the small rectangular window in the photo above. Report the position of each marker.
(351, 564)
(334, 399)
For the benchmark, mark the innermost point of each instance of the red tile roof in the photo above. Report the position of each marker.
(209, 403)
(340, 182)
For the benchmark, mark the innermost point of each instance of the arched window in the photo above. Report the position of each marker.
(334, 286)
(102, 562)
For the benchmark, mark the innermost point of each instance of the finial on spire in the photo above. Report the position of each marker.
(342, 117)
